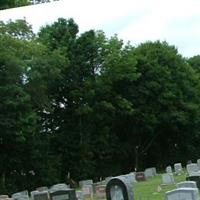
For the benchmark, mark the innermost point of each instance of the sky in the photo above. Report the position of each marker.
(137, 21)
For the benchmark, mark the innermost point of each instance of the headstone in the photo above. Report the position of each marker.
(130, 177)
(194, 178)
(4, 197)
(118, 188)
(183, 194)
(23, 195)
(64, 194)
(140, 176)
(168, 169)
(186, 184)
(79, 195)
(59, 186)
(87, 191)
(100, 191)
(167, 179)
(192, 168)
(178, 168)
(150, 172)
(85, 182)
(40, 195)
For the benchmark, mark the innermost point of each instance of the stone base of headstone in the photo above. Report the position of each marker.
(100, 191)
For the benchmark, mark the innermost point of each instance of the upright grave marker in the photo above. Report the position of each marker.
(118, 188)
(186, 184)
(183, 194)
(168, 169)
(167, 179)
(63, 194)
(178, 168)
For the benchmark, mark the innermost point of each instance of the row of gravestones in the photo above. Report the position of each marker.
(192, 168)
(88, 188)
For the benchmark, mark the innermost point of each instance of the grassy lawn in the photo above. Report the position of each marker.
(148, 190)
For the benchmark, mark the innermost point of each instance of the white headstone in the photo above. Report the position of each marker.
(150, 172)
(168, 169)
(167, 179)
(191, 168)
(178, 168)
(183, 194)
(23, 195)
(87, 191)
(186, 184)
(85, 182)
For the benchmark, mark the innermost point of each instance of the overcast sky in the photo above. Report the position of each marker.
(175, 21)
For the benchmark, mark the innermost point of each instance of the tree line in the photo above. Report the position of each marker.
(91, 106)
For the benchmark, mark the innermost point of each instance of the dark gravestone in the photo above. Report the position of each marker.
(140, 176)
(194, 178)
(118, 188)
(66, 194)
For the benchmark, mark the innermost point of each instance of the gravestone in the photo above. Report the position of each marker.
(192, 168)
(59, 186)
(150, 172)
(4, 197)
(130, 177)
(183, 194)
(140, 176)
(79, 195)
(63, 194)
(168, 169)
(167, 179)
(178, 168)
(194, 178)
(23, 195)
(118, 188)
(40, 195)
(87, 191)
(100, 191)
(186, 184)
(85, 182)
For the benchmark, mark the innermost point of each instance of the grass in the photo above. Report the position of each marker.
(152, 189)
(148, 190)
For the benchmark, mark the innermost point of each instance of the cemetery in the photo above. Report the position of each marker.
(87, 116)
(178, 183)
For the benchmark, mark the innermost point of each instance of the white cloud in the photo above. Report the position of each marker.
(176, 21)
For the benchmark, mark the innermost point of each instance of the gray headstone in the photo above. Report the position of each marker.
(168, 169)
(79, 195)
(87, 191)
(183, 194)
(186, 184)
(65, 194)
(59, 186)
(167, 179)
(178, 168)
(40, 195)
(150, 172)
(192, 168)
(23, 195)
(43, 188)
(100, 191)
(85, 182)
(118, 188)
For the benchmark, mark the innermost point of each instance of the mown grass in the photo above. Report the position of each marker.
(152, 188)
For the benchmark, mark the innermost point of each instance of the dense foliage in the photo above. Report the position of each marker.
(91, 106)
